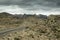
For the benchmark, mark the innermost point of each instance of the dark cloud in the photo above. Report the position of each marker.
(33, 4)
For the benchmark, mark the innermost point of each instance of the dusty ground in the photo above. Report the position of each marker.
(35, 28)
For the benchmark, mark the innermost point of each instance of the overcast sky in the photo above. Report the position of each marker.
(45, 7)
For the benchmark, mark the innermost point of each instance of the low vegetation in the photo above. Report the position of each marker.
(37, 27)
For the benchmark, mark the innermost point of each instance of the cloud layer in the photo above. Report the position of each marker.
(33, 4)
(36, 6)
(14, 9)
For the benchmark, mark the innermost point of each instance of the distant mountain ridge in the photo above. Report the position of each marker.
(5, 14)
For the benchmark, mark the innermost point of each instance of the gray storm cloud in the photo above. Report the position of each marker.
(45, 7)
(33, 4)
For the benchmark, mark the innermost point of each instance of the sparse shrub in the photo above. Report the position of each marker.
(17, 38)
(31, 35)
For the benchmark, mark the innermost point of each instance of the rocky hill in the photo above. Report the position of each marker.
(37, 27)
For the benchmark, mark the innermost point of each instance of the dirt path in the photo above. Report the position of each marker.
(3, 33)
